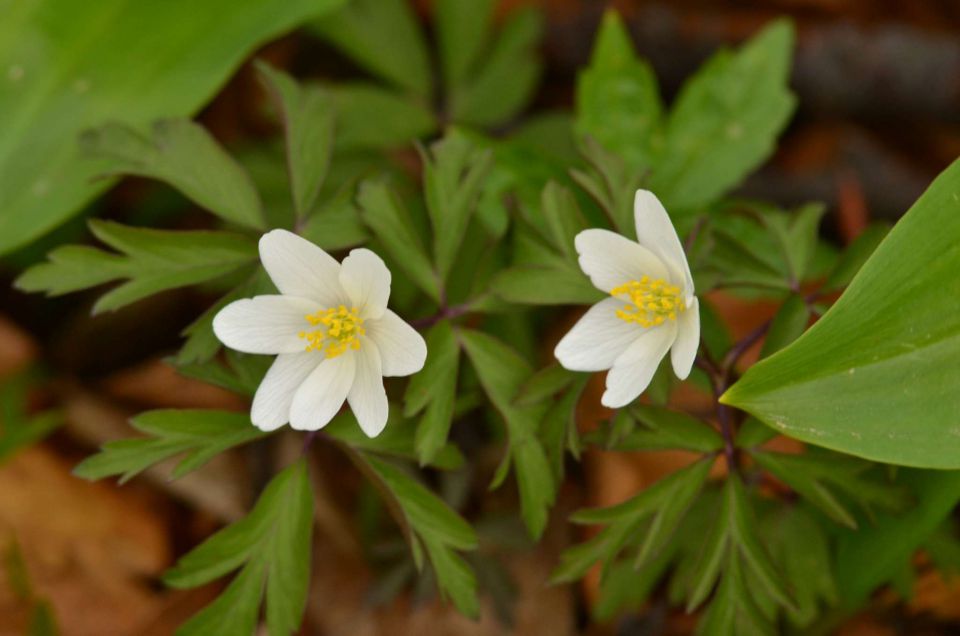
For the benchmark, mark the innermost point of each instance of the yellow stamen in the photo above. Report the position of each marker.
(649, 302)
(339, 329)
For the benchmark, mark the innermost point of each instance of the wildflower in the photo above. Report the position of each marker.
(333, 335)
(651, 309)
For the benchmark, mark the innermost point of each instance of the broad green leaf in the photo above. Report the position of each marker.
(463, 27)
(442, 533)
(873, 554)
(505, 79)
(454, 172)
(502, 372)
(152, 261)
(726, 120)
(385, 214)
(384, 37)
(199, 435)
(874, 377)
(371, 116)
(183, 154)
(790, 322)
(72, 66)
(307, 115)
(273, 545)
(618, 101)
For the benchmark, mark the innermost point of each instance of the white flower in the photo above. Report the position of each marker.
(651, 308)
(334, 337)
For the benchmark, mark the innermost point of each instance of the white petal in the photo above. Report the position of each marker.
(684, 350)
(271, 404)
(264, 324)
(633, 370)
(597, 339)
(655, 232)
(367, 397)
(366, 280)
(611, 260)
(323, 392)
(402, 348)
(299, 268)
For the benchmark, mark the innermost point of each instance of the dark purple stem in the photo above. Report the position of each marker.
(308, 440)
(445, 313)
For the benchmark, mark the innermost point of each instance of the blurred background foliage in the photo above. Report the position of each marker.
(523, 92)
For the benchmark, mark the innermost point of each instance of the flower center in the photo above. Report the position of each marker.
(339, 330)
(651, 302)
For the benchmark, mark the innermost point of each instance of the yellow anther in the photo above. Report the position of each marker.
(649, 302)
(340, 330)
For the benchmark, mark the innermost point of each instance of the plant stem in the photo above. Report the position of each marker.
(445, 313)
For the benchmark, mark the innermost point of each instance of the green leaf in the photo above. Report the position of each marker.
(336, 225)
(18, 427)
(72, 67)
(734, 542)
(505, 79)
(873, 554)
(396, 440)
(734, 608)
(544, 384)
(618, 101)
(385, 214)
(558, 431)
(545, 285)
(664, 428)
(726, 120)
(152, 261)
(273, 545)
(442, 533)
(800, 239)
(611, 183)
(434, 388)
(463, 27)
(384, 37)
(663, 504)
(564, 219)
(502, 372)
(855, 256)
(183, 154)
(872, 377)
(370, 116)
(199, 435)
(202, 344)
(801, 549)
(753, 433)
(454, 172)
(307, 115)
(790, 322)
